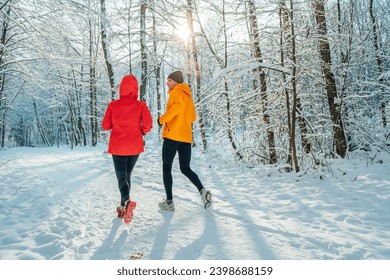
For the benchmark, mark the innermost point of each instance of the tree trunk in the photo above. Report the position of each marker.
(297, 101)
(144, 55)
(287, 18)
(157, 71)
(284, 29)
(106, 53)
(2, 108)
(263, 83)
(80, 125)
(92, 91)
(3, 103)
(331, 89)
(92, 106)
(379, 65)
(72, 131)
(229, 119)
(197, 73)
(39, 125)
(2, 129)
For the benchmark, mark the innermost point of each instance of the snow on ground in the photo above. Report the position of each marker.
(60, 204)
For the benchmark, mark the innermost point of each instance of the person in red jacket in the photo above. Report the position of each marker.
(177, 134)
(128, 119)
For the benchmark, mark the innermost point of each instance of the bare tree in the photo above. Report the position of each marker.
(3, 5)
(255, 36)
(41, 128)
(105, 47)
(223, 63)
(157, 68)
(56, 49)
(3, 42)
(197, 72)
(379, 64)
(144, 55)
(92, 86)
(330, 83)
(289, 40)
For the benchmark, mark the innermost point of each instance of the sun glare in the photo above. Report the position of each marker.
(182, 33)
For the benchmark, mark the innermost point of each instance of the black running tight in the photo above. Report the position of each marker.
(170, 147)
(124, 165)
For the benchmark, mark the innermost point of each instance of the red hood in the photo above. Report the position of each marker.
(129, 87)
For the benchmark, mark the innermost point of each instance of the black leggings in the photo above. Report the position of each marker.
(170, 147)
(124, 165)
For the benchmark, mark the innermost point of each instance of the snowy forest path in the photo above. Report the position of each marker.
(60, 204)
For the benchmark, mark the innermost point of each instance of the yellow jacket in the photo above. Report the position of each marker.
(180, 114)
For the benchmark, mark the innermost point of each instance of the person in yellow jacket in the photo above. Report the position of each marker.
(177, 134)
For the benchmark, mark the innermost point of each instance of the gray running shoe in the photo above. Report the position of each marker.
(164, 205)
(206, 198)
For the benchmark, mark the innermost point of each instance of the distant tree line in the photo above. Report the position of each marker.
(275, 81)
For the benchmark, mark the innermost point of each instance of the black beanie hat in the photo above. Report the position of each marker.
(177, 76)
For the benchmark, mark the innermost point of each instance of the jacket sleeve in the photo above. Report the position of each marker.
(107, 120)
(174, 110)
(146, 119)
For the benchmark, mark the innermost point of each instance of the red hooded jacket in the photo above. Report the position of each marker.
(128, 118)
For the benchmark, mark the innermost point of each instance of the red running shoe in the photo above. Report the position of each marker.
(128, 216)
(121, 211)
